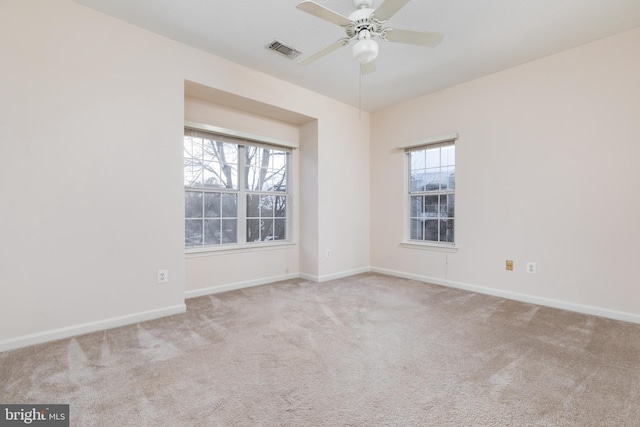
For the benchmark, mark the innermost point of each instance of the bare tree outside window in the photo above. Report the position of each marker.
(210, 164)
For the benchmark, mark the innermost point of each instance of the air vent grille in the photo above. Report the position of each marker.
(281, 48)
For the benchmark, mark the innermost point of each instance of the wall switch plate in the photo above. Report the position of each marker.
(531, 267)
(163, 276)
(509, 265)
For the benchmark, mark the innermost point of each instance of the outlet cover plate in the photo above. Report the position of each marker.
(163, 276)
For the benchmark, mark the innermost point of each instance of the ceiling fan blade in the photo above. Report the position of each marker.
(324, 51)
(421, 38)
(388, 8)
(367, 68)
(323, 13)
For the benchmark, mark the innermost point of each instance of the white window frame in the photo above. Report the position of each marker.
(242, 138)
(433, 142)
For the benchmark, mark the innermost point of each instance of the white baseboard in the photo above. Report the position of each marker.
(250, 283)
(85, 328)
(309, 277)
(343, 274)
(334, 276)
(238, 285)
(564, 305)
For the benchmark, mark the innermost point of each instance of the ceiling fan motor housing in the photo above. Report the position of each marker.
(363, 20)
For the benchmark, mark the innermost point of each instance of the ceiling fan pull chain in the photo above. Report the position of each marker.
(360, 94)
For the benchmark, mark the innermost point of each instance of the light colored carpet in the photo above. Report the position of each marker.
(369, 350)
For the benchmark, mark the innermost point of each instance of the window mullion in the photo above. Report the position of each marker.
(288, 198)
(242, 197)
(439, 216)
(202, 218)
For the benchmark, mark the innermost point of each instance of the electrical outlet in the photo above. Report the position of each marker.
(328, 253)
(509, 265)
(531, 267)
(163, 276)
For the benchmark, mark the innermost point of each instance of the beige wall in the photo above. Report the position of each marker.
(92, 115)
(89, 173)
(307, 205)
(547, 172)
(344, 184)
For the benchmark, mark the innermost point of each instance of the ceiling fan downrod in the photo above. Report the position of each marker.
(363, 4)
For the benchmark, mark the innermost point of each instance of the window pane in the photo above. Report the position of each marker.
(432, 181)
(192, 161)
(425, 180)
(265, 169)
(229, 205)
(251, 174)
(418, 180)
(211, 175)
(233, 171)
(431, 230)
(266, 206)
(192, 204)
(192, 147)
(430, 206)
(229, 231)
(253, 205)
(280, 208)
(447, 206)
(280, 226)
(418, 160)
(193, 232)
(447, 156)
(416, 206)
(216, 176)
(213, 150)
(212, 232)
(446, 230)
(266, 229)
(192, 173)
(448, 178)
(212, 205)
(433, 157)
(221, 164)
(274, 180)
(416, 229)
(253, 230)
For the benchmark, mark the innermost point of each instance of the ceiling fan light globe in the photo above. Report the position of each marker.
(365, 50)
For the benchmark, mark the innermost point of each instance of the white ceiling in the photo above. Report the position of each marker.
(481, 37)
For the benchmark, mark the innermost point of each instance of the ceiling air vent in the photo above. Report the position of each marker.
(281, 48)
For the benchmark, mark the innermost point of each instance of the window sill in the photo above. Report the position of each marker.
(235, 249)
(430, 246)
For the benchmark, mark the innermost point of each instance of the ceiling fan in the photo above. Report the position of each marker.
(364, 25)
